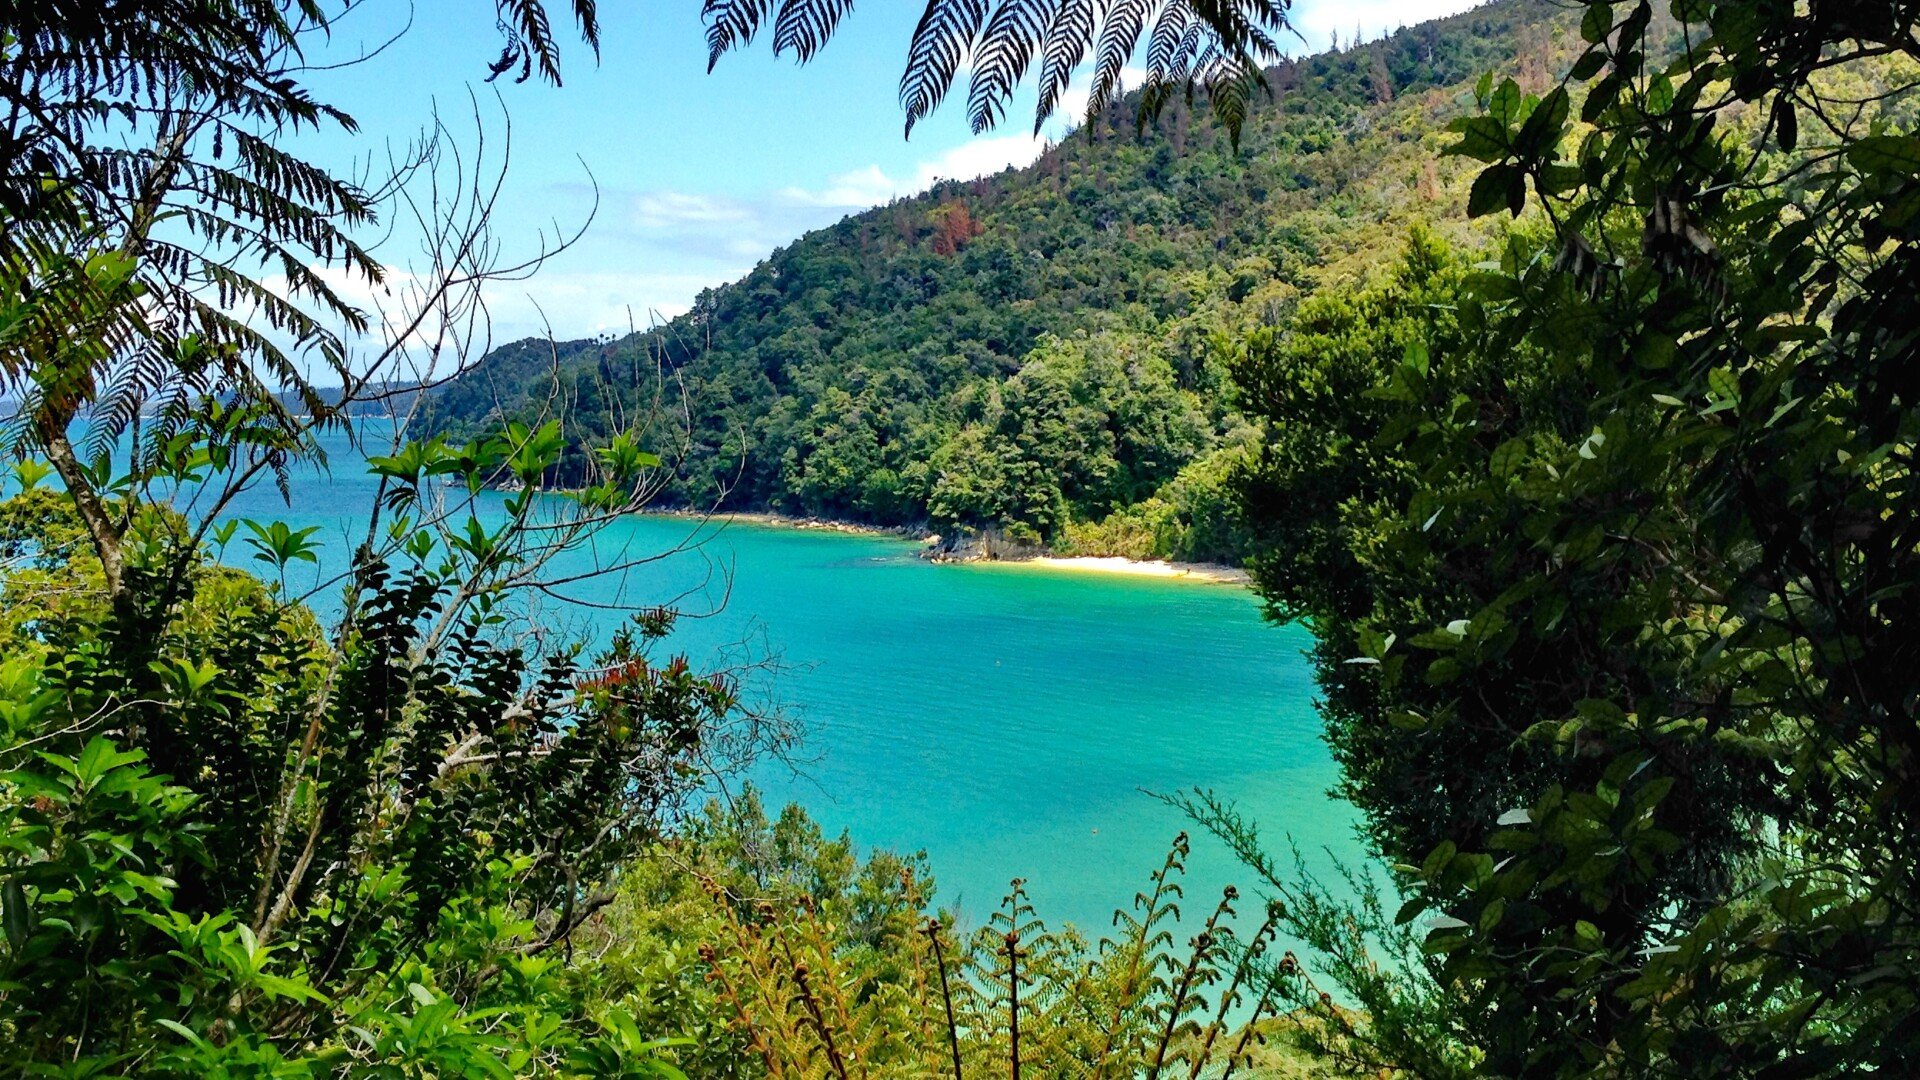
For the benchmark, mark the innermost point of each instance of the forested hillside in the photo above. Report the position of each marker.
(1034, 351)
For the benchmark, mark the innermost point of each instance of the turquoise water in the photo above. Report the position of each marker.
(1009, 720)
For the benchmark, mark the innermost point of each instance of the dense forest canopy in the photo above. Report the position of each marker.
(1036, 350)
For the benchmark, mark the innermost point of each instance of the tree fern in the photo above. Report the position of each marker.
(161, 242)
(803, 28)
(940, 42)
(1001, 57)
(530, 43)
(1216, 47)
(1068, 39)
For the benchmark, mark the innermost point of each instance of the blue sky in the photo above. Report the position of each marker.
(699, 176)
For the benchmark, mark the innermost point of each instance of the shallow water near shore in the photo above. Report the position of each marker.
(1010, 721)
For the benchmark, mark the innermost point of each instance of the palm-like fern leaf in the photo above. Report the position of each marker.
(941, 41)
(1118, 38)
(1213, 46)
(1001, 58)
(803, 26)
(530, 36)
(1067, 42)
(730, 23)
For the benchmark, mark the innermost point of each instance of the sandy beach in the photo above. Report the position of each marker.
(1160, 568)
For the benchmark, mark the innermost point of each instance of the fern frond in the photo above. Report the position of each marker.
(1118, 38)
(803, 26)
(1003, 39)
(943, 38)
(528, 19)
(1005, 51)
(1230, 84)
(1067, 42)
(731, 24)
(586, 15)
(1169, 31)
(531, 35)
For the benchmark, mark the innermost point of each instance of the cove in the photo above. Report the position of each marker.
(1009, 720)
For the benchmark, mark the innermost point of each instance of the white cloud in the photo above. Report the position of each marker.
(970, 160)
(859, 188)
(674, 210)
(588, 302)
(981, 157)
(391, 307)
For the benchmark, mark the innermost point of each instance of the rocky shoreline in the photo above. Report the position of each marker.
(790, 521)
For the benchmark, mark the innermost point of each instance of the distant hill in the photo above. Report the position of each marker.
(398, 398)
(1033, 352)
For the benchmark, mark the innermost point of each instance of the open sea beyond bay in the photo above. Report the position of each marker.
(1009, 720)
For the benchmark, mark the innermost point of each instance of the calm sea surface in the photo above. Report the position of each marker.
(1008, 720)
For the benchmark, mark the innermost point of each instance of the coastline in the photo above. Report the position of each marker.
(1200, 573)
(1210, 573)
(788, 521)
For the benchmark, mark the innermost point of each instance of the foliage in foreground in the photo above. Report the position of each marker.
(230, 842)
(793, 958)
(470, 918)
(1610, 546)
(234, 841)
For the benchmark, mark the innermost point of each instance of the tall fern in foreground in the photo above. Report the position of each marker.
(1013, 997)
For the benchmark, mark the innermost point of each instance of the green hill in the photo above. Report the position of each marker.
(1032, 352)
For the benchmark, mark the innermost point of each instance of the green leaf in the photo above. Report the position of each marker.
(1507, 458)
(1655, 351)
(1886, 153)
(15, 915)
(1416, 357)
(30, 472)
(1786, 123)
(1660, 95)
(110, 268)
(1596, 24)
(1481, 137)
(1491, 915)
(1493, 190)
(1723, 384)
(99, 758)
(185, 1032)
(1602, 97)
(1560, 179)
(1544, 124)
(1435, 639)
(1437, 860)
(1493, 287)
(1505, 103)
